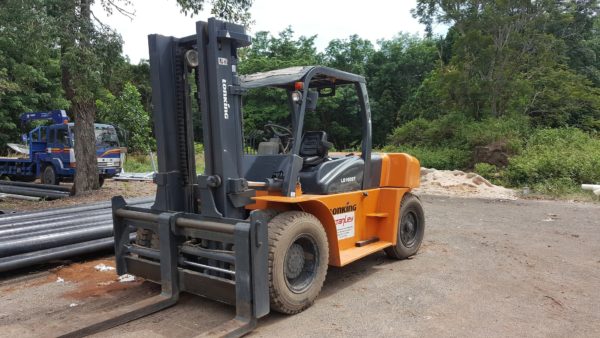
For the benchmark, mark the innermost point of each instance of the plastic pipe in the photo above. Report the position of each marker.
(4, 219)
(54, 240)
(43, 256)
(36, 186)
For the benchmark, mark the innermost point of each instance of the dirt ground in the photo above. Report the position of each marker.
(487, 268)
(109, 189)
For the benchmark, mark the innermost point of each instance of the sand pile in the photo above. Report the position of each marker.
(458, 183)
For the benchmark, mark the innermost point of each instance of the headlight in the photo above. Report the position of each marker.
(296, 97)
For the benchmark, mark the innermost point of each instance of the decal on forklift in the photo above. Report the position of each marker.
(225, 103)
(348, 179)
(344, 221)
(223, 61)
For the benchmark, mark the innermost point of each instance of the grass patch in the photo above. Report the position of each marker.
(137, 163)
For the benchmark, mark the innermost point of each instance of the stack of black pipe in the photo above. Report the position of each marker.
(41, 236)
(46, 191)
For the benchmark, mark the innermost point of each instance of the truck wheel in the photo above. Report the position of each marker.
(298, 259)
(411, 228)
(49, 175)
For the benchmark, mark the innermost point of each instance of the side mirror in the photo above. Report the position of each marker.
(311, 100)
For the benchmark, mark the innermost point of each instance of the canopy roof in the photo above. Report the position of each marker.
(286, 77)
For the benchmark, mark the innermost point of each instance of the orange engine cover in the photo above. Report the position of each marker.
(399, 170)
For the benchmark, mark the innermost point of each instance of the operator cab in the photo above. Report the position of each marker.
(295, 149)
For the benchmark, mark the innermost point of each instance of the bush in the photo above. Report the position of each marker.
(509, 129)
(556, 160)
(486, 170)
(438, 158)
(448, 142)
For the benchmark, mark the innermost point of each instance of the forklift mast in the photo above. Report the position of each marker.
(209, 58)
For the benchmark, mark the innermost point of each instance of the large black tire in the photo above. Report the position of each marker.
(298, 259)
(411, 228)
(49, 175)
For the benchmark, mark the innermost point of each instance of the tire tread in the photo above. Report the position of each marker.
(277, 227)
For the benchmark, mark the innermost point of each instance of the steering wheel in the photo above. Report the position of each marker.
(279, 130)
(283, 133)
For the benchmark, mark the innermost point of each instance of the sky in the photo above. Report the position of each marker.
(328, 19)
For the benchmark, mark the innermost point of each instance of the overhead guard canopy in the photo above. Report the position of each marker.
(286, 77)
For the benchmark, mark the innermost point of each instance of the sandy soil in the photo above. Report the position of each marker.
(460, 183)
(487, 268)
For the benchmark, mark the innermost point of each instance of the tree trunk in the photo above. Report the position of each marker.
(82, 105)
(86, 174)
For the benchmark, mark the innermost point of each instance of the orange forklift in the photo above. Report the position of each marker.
(256, 229)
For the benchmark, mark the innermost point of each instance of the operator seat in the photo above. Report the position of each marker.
(314, 148)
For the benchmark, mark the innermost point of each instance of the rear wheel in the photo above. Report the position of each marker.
(298, 259)
(49, 175)
(411, 228)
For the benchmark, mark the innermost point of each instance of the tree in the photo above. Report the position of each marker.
(127, 113)
(507, 54)
(87, 50)
(394, 73)
(350, 54)
(29, 65)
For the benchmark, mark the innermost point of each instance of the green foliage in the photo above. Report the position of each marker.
(268, 52)
(555, 159)
(563, 98)
(445, 158)
(127, 113)
(458, 131)
(350, 55)
(228, 10)
(198, 148)
(29, 65)
(137, 163)
(486, 170)
(515, 57)
(394, 74)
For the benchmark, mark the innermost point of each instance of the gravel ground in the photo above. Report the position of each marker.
(487, 268)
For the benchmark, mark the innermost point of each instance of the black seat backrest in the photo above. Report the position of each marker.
(314, 147)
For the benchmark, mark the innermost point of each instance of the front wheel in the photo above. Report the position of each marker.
(411, 228)
(49, 175)
(298, 259)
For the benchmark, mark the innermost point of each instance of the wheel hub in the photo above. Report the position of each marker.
(301, 263)
(295, 261)
(408, 230)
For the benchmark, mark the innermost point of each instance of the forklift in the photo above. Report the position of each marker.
(255, 230)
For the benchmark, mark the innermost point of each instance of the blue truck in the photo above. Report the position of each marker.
(49, 153)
